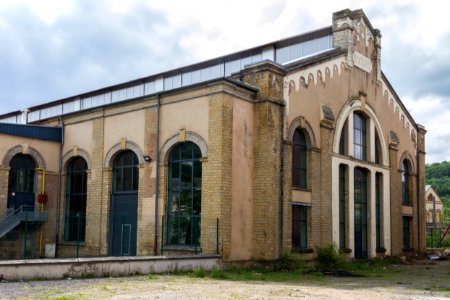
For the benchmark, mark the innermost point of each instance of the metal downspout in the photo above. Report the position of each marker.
(58, 195)
(158, 108)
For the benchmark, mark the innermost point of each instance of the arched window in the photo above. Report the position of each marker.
(75, 213)
(21, 182)
(299, 160)
(359, 136)
(184, 195)
(405, 183)
(125, 172)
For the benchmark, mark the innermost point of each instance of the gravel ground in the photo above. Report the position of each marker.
(422, 281)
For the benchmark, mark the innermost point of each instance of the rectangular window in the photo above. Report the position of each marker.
(342, 192)
(359, 137)
(299, 227)
(406, 233)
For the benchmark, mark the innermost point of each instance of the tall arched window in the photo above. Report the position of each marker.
(21, 182)
(405, 182)
(359, 136)
(75, 213)
(184, 195)
(299, 160)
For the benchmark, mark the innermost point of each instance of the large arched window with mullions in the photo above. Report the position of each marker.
(184, 195)
(75, 213)
(299, 160)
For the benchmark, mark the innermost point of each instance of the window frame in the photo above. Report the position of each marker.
(182, 191)
(71, 225)
(300, 227)
(360, 133)
(299, 160)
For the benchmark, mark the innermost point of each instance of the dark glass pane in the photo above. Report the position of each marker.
(117, 184)
(342, 191)
(175, 170)
(197, 202)
(22, 161)
(75, 225)
(197, 174)
(186, 174)
(186, 150)
(172, 232)
(360, 213)
(175, 155)
(125, 172)
(127, 158)
(185, 202)
(135, 178)
(174, 200)
(185, 231)
(197, 152)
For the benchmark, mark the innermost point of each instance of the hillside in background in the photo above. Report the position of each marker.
(438, 175)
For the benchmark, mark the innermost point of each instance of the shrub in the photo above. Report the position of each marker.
(199, 272)
(218, 273)
(329, 258)
(292, 262)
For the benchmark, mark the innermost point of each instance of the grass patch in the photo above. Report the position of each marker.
(152, 276)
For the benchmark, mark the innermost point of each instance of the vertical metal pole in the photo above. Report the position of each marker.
(124, 218)
(25, 234)
(194, 235)
(78, 234)
(162, 235)
(217, 236)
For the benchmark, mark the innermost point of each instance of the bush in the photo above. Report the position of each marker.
(199, 272)
(292, 262)
(218, 273)
(329, 259)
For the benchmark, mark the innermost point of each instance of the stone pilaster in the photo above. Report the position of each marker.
(421, 201)
(268, 155)
(216, 185)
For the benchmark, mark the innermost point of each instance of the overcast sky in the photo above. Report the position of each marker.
(55, 49)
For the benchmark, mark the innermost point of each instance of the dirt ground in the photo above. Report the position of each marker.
(423, 280)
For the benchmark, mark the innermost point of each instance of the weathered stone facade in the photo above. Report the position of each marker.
(245, 125)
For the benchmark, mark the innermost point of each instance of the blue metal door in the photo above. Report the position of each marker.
(123, 224)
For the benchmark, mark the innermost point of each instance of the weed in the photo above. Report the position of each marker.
(199, 272)
(218, 274)
(151, 276)
(292, 262)
(329, 258)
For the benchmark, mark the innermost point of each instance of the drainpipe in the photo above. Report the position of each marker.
(58, 190)
(281, 200)
(42, 206)
(158, 108)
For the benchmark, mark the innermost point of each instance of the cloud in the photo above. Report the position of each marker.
(54, 49)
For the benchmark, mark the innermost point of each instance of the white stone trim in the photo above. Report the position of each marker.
(70, 154)
(129, 145)
(19, 149)
(190, 136)
(386, 218)
(347, 113)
